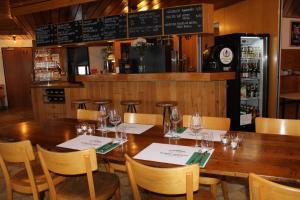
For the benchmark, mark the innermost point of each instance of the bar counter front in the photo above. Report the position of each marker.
(201, 92)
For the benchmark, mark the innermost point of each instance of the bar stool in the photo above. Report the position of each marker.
(166, 105)
(81, 103)
(102, 102)
(131, 105)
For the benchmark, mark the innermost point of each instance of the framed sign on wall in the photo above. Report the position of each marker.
(295, 33)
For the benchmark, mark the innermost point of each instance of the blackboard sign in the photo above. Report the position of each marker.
(147, 23)
(92, 30)
(46, 35)
(187, 19)
(69, 32)
(114, 27)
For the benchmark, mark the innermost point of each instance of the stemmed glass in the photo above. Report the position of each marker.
(175, 118)
(196, 125)
(115, 119)
(103, 120)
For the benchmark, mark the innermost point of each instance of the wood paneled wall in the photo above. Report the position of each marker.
(206, 97)
(290, 59)
(255, 16)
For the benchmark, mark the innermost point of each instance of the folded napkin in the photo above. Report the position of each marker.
(200, 158)
(180, 130)
(107, 147)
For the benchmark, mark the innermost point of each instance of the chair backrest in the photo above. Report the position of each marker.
(168, 181)
(87, 114)
(216, 123)
(69, 163)
(18, 152)
(262, 189)
(141, 118)
(277, 126)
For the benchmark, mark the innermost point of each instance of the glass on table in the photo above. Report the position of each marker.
(225, 139)
(207, 142)
(175, 118)
(167, 128)
(115, 119)
(234, 140)
(102, 126)
(79, 130)
(123, 133)
(91, 129)
(195, 126)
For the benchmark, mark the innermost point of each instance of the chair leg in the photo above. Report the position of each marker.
(117, 195)
(213, 191)
(42, 195)
(225, 190)
(9, 194)
(164, 115)
(135, 108)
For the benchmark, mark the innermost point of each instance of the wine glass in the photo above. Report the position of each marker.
(103, 120)
(103, 112)
(196, 125)
(175, 118)
(115, 119)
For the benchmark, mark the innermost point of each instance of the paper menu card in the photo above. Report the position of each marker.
(132, 128)
(85, 142)
(168, 153)
(188, 134)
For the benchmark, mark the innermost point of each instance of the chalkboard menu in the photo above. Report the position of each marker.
(92, 30)
(69, 32)
(46, 35)
(114, 27)
(187, 19)
(147, 23)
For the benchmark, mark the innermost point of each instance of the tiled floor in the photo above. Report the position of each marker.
(237, 187)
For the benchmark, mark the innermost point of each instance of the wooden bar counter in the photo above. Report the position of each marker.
(202, 92)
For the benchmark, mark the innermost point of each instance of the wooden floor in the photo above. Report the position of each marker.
(237, 187)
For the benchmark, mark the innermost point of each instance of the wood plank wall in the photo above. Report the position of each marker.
(206, 97)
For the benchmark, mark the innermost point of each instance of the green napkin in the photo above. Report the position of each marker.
(196, 157)
(110, 126)
(204, 159)
(107, 147)
(180, 130)
(200, 158)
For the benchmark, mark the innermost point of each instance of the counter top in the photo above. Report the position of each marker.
(175, 76)
(56, 85)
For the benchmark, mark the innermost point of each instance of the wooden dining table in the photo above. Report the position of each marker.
(276, 157)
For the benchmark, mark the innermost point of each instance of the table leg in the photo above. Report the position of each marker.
(282, 107)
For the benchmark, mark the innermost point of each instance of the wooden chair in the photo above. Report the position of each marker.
(262, 189)
(216, 123)
(139, 118)
(87, 114)
(80, 167)
(277, 126)
(163, 182)
(31, 179)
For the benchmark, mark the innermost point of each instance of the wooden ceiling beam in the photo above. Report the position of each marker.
(46, 5)
(25, 26)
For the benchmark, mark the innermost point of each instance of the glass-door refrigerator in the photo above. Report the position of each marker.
(247, 94)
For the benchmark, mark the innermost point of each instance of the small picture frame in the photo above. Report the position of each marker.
(295, 33)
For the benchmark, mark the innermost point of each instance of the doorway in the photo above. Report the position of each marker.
(17, 64)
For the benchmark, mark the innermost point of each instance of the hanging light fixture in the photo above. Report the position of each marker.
(14, 39)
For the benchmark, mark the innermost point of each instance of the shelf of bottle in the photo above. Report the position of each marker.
(250, 58)
(249, 78)
(249, 98)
